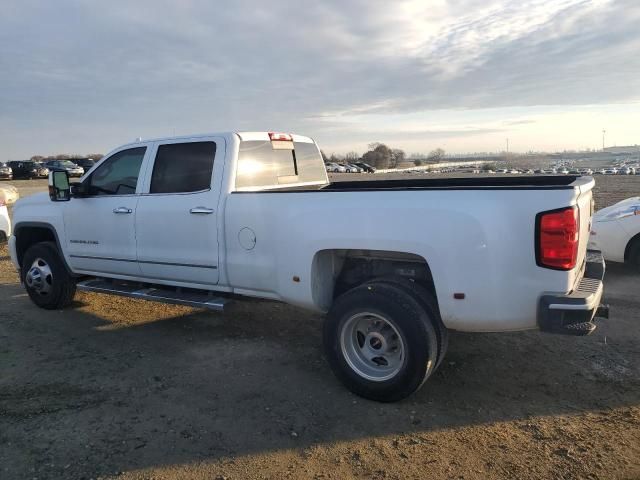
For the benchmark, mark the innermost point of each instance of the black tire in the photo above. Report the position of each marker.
(410, 319)
(633, 257)
(61, 287)
(430, 306)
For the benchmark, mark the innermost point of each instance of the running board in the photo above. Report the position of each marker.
(155, 293)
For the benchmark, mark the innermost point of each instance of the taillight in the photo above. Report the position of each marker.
(557, 238)
(280, 137)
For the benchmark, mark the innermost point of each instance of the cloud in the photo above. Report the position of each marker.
(96, 73)
(520, 122)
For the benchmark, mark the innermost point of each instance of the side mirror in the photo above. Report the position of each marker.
(59, 190)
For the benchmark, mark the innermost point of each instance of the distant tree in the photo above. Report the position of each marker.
(324, 156)
(37, 158)
(379, 155)
(351, 157)
(95, 156)
(418, 161)
(436, 155)
(397, 157)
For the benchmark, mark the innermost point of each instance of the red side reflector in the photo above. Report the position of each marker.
(280, 137)
(557, 238)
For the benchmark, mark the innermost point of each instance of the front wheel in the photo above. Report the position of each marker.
(45, 277)
(380, 342)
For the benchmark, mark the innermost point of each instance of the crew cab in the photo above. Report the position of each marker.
(394, 264)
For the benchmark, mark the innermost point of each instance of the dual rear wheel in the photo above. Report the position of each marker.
(383, 339)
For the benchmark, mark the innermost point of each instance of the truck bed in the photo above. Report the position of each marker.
(540, 182)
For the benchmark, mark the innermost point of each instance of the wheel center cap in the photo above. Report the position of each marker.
(33, 275)
(376, 341)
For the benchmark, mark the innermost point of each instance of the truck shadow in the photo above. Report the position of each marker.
(105, 386)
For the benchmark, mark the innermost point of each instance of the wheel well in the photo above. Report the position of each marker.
(336, 271)
(28, 236)
(627, 251)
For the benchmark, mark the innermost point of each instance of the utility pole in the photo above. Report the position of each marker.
(603, 134)
(507, 145)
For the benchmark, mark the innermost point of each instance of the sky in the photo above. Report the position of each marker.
(83, 76)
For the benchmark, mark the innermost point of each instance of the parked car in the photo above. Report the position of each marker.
(586, 171)
(84, 163)
(28, 169)
(616, 232)
(65, 166)
(5, 222)
(9, 193)
(366, 167)
(390, 287)
(335, 167)
(6, 173)
(564, 171)
(352, 168)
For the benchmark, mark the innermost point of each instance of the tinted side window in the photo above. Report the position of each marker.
(118, 175)
(183, 167)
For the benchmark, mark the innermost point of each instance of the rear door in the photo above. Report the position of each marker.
(177, 217)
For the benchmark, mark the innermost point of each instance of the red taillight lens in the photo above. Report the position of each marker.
(280, 137)
(558, 236)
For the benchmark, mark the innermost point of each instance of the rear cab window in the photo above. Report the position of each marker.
(266, 164)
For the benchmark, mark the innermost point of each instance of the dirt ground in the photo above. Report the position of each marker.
(118, 388)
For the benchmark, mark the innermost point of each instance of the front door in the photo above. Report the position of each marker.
(100, 226)
(177, 217)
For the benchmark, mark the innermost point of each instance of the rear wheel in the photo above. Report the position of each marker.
(429, 305)
(380, 341)
(45, 277)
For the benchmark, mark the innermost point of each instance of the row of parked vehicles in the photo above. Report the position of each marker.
(355, 167)
(29, 169)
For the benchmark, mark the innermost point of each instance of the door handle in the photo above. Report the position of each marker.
(201, 210)
(122, 210)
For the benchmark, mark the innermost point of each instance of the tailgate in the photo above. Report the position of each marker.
(585, 205)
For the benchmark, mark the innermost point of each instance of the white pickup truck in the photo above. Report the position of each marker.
(395, 264)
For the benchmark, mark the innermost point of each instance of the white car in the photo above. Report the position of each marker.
(5, 223)
(335, 168)
(9, 193)
(616, 232)
(253, 214)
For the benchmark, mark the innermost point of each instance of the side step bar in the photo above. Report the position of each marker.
(155, 293)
